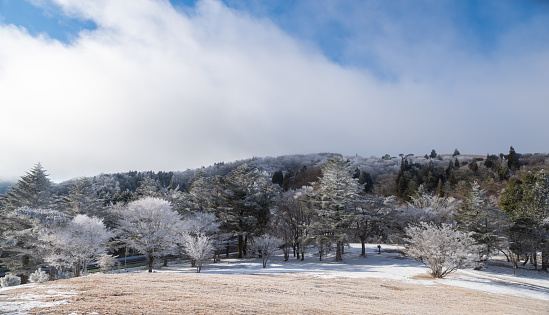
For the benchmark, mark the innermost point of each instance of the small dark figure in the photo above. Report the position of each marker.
(379, 249)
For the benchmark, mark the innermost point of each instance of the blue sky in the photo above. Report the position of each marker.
(225, 80)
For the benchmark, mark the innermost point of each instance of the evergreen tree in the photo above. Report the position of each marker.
(150, 187)
(334, 200)
(33, 190)
(456, 152)
(366, 180)
(527, 202)
(278, 178)
(512, 159)
(480, 216)
(82, 199)
(21, 239)
(244, 209)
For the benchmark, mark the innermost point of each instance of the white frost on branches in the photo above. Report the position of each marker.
(76, 244)
(198, 247)
(149, 225)
(441, 248)
(267, 244)
(39, 276)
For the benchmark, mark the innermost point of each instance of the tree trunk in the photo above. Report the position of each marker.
(338, 251)
(165, 261)
(544, 259)
(363, 243)
(526, 260)
(240, 246)
(245, 245)
(150, 262)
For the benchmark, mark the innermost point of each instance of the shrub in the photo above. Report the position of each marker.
(9, 281)
(39, 276)
(106, 263)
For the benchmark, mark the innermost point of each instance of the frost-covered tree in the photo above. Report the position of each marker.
(82, 198)
(79, 242)
(33, 191)
(526, 201)
(371, 216)
(198, 247)
(480, 216)
(425, 207)
(290, 220)
(202, 195)
(22, 239)
(333, 200)
(200, 223)
(149, 225)
(106, 263)
(244, 209)
(441, 248)
(266, 245)
(150, 187)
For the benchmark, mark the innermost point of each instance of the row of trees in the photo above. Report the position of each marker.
(245, 204)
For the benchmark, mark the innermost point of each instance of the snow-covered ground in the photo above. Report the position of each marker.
(388, 265)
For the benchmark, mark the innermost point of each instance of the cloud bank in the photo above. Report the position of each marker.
(160, 88)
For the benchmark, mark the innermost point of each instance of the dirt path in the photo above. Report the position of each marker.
(173, 293)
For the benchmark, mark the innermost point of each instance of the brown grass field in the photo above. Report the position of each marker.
(183, 293)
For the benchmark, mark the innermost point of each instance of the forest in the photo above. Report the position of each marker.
(306, 205)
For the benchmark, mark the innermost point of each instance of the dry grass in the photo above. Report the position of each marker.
(173, 293)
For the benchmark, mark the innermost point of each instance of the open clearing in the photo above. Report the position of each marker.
(384, 283)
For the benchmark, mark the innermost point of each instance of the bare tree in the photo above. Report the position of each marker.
(266, 244)
(198, 247)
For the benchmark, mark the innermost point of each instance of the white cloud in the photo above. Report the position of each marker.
(153, 88)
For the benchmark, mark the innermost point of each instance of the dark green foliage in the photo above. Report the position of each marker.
(480, 216)
(491, 161)
(473, 166)
(512, 159)
(526, 201)
(366, 180)
(433, 154)
(278, 178)
(456, 163)
(456, 152)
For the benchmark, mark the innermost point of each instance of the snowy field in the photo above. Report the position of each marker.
(387, 266)
(390, 264)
